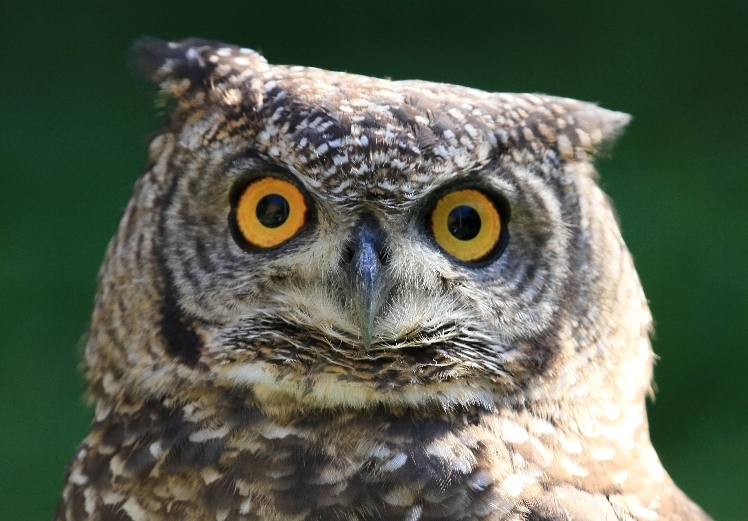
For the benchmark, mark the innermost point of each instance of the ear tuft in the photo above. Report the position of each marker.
(191, 65)
(576, 130)
(585, 130)
(597, 128)
(159, 61)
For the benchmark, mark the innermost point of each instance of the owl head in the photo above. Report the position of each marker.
(323, 239)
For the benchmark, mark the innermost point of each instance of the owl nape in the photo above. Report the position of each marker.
(335, 297)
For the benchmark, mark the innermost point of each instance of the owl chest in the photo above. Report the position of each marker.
(314, 469)
(248, 467)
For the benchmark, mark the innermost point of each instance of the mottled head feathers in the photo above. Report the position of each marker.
(199, 73)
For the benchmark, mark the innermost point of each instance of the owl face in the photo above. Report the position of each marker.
(353, 241)
(362, 287)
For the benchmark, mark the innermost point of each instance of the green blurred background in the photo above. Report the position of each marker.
(73, 124)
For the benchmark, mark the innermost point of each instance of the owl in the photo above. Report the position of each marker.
(340, 298)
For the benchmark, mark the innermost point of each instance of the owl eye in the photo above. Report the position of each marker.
(467, 224)
(269, 211)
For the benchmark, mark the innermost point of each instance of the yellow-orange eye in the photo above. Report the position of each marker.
(467, 225)
(269, 212)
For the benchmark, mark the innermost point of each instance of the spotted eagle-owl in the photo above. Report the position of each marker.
(335, 297)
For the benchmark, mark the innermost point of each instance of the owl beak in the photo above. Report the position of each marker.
(365, 259)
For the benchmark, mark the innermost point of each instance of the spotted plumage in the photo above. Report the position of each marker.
(358, 370)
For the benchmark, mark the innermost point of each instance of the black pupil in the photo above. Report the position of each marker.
(463, 222)
(272, 210)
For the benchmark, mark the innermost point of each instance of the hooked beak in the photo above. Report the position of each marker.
(364, 260)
